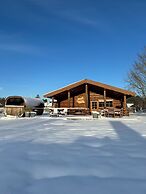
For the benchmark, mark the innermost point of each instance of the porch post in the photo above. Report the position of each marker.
(125, 106)
(52, 102)
(104, 96)
(87, 96)
(68, 99)
(58, 104)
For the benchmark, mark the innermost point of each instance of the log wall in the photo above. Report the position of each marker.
(80, 100)
(75, 101)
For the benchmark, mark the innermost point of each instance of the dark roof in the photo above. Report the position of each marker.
(86, 81)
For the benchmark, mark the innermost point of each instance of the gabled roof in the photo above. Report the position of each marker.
(86, 81)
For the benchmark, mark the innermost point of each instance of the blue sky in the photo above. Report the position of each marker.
(47, 44)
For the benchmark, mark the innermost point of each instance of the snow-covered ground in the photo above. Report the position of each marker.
(44, 155)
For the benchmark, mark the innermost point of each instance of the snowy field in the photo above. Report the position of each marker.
(44, 155)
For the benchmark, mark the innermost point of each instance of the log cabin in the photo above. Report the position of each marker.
(88, 96)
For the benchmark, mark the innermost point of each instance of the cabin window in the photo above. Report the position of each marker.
(109, 103)
(94, 105)
(101, 104)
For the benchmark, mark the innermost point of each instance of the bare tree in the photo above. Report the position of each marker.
(137, 75)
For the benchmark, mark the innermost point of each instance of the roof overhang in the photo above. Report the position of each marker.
(90, 82)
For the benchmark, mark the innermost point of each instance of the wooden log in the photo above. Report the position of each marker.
(68, 99)
(87, 96)
(104, 96)
(52, 101)
(124, 106)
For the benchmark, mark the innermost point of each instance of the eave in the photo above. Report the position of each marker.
(86, 81)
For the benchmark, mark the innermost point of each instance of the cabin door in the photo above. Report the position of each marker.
(94, 106)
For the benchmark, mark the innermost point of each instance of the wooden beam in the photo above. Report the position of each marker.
(52, 102)
(58, 103)
(87, 95)
(104, 96)
(125, 106)
(73, 101)
(68, 99)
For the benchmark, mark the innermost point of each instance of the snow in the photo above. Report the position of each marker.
(44, 155)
